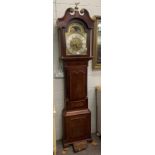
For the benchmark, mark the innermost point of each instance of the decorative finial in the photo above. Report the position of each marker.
(76, 9)
(76, 6)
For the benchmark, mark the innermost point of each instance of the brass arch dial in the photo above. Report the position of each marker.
(76, 40)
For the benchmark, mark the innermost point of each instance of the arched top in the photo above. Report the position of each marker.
(75, 28)
(71, 14)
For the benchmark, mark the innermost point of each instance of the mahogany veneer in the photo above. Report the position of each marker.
(76, 115)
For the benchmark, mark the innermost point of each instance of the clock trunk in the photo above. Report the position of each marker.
(76, 115)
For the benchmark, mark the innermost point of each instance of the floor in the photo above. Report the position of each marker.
(94, 148)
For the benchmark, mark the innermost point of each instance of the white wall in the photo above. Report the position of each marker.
(94, 77)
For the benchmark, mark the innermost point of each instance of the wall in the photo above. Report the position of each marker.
(93, 6)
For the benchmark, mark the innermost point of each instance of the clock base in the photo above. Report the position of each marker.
(77, 126)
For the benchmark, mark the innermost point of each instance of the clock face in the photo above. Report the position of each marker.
(76, 40)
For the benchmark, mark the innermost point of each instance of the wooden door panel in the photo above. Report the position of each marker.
(77, 84)
(78, 127)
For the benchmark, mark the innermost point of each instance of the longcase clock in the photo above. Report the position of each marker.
(75, 42)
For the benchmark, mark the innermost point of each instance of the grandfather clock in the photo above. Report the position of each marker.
(75, 42)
